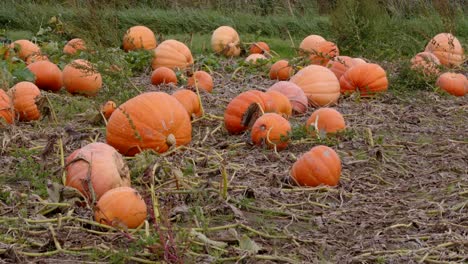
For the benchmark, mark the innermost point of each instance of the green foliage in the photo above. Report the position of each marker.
(411, 80)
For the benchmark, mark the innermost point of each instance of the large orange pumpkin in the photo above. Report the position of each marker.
(324, 52)
(153, 120)
(294, 93)
(447, 48)
(325, 120)
(6, 108)
(281, 70)
(259, 47)
(425, 62)
(121, 207)
(24, 96)
(368, 79)
(24, 48)
(139, 37)
(80, 77)
(340, 64)
(453, 83)
(190, 101)
(309, 44)
(163, 75)
(48, 75)
(271, 130)
(73, 46)
(320, 85)
(320, 165)
(172, 54)
(202, 80)
(225, 41)
(282, 103)
(98, 168)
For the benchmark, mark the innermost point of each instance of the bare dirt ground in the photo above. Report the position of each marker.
(402, 196)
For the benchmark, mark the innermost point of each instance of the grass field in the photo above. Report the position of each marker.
(403, 192)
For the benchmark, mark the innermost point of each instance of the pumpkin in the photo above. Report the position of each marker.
(108, 108)
(172, 54)
(340, 64)
(425, 62)
(48, 76)
(453, 83)
(139, 37)
(271, 130)
(190, 101)
(253, 58)
(324, 51)
(320, 165)
(357, 61)
(24, 48)
(6, 108)
(163, 75)
(239, 111)
(282, 104)
(80, 77)
(202, 80)
(320, 85)
(368, 78)
(97, 166)
(259, 47)
(36, 57)
(153, 120)
(24, 96)
(325, 120)
(225, 41)
(121, 207)
(281, 70)
(447, 48)
(294, 93)
(73, 46)
(309, 44)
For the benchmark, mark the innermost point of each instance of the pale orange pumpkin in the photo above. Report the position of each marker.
(320, 85)
(426, 63)
(172, 54)
(121, 207)
(163, 75)
(73, 46)
(6, 108)
(325, 120)
(24, 48)
(108, 108)
(320, 165)
(80, 77)
(447, 48)
(281, 70)
(309, 44)
(95, 169)
(190, 101)
(453, 83)
(25, 96)
(202, 80)
(259, 47)
(48, 75)
(324, 52)
(294, 93)
(253, 58)
(226, 41)
(282, 103)
(153, 120)
(368, 79)
(340, 64)
(139, 37)
(271, 130)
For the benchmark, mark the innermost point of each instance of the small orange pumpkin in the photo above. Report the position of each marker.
(80, 77)
(425, 62)
(6, 108)
(48, 75)
(453, 83)
(225, 41)
(153, 120)
(163, 75)
(281, 70)
(172, 54)
(271, 130)
(108, 108)
(104, 166)
(253, 58)
(190, 101)
(320, 165)
(121, 207)
(320, 85)
(282, 103)
(447, 48)
(325, 120)
(368, 78)
(309, 44)
(73, 46)
(294, 93)
(202, 80)
(139, 37)
(24, 96)
(259, 47)
(24, 48)
(324, 52)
